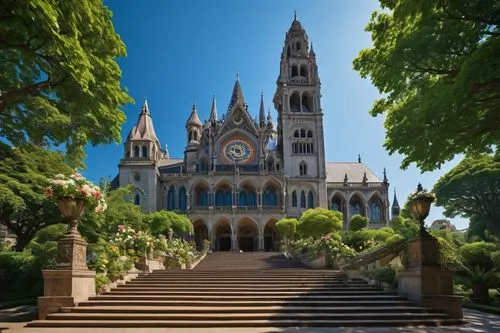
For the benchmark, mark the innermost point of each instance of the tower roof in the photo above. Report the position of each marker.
(262, 112)
(237, 96)
(143, 129)
(295, 24)
(213, 112)
(395, 202)
(193, 118)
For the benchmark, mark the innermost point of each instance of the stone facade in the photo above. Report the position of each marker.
(240, 175)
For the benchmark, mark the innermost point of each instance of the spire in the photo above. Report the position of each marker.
(269, 119)
(194, 120)
(143, 129)
(359, 158)
(385, 176)
(295, 24)
(213, 112)
(312, 55)
(262, 113)
(237, 96)
(395, 202)
(167, 154)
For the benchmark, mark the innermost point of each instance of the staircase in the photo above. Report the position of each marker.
(245, 290)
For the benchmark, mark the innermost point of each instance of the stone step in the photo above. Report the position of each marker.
(295, 322)
(244, 293)
(129, 289)
(248, 298)
(242, 279)
(244, 303)
(244, 309)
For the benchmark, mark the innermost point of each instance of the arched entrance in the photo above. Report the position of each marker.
(222, 236)
(200, 234)
(271, 237)
(247, 236)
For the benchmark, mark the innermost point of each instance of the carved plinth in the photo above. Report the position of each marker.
(426, 282)
(72, 253)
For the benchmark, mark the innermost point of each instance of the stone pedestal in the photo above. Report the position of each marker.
(427, 283)
(71, 282)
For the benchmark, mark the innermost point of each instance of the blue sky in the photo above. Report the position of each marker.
(181, 51)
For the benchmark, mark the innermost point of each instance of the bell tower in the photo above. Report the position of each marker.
(298, 103)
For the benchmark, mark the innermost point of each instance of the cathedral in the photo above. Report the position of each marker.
(240, 175)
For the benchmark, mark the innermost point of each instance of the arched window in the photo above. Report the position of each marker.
(269, 198)
(227, 199)
(171, 198)
(182, 199)
(219, 198)
(251, 199)
(295, 71)
(202, 199)
(302, 133)
(295, 102)
(243, 198)
(306, 103)
(303, 169)
(302, 199)
(270, 165)
(298, 46)
(303, 71)
(127, 154)
(288, 51)
(195, 136)
(375, 210)
(296, 134)
(309, 134)
(310, 200)
(336, 204)
(136, 151)
(190, 137)
(356, 206)
(294, 199)
(144, 151)
(137, 199)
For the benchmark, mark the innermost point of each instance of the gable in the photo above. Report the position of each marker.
(238, 118)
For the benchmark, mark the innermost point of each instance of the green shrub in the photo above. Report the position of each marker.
(357, 222)
(23, 274)
(478, 254)
(384, 274)
(287, 227)
(317, 222)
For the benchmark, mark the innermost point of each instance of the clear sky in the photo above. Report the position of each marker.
(181, 51)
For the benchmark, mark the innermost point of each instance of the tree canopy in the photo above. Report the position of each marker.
(160, 222)
(316, 222)
(472, 189)
(287, 227)
(358, 222)
(59, 79)
(24, 173)
(437, 65)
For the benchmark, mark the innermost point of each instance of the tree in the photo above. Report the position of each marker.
(24, 173)
(316, 222)
(437, 65)
(160, 223)
(60, 81)
(287, 227)
(357, 222)
(472, 189)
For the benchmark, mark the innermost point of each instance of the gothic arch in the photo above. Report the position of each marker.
(247, 235)
(271, 194)
(223, 194)
(201, 232)
(295, 102)
(294, 71)
(271, 236)
(303, 70)
(221, 235)
(247, 196)
(201, 194)
(376, 209)
(356, 204)
(307, 102)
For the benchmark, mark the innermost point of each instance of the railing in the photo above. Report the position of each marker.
(205, 208)
(369, 257)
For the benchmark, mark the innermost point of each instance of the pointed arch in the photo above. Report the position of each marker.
(223, 195)
(248, 194)
(171, 198)
(303, 71)
(137, 151)
(376, 211)
(303, 168)
(295, 71)
(294, 198)
(310, 200)
(306, 102)
(182, 199)
(144, 151)
(137, 199)
(302, 199)
(295, 102)
(356, 204)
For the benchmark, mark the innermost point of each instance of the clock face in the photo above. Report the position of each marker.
(238, 150)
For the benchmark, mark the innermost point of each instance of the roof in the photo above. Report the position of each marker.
(169, 161)
(336, 171)
(143, 129)
(193, 118)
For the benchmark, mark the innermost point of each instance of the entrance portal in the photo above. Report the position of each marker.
(247, 236)
(223, 238)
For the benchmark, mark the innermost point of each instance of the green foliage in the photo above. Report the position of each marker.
(472, 189)
(316, 222)
(436, 64)
(449, 243)
(161, 222)
(24, 173)
(60, 79)
(478, 254)
(384, 275)
(121, 211)
(44, 245)
(358, 222)
(287, 227)
(23, 274)
(406, 227)
(367, 238)
(106, 257)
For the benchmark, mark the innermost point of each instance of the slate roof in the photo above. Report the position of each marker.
(335, 172)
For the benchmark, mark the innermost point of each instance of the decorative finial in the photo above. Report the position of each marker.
(419, 188)
(345, 178)
(237, 76)
(359, 158)
(365, 179)
(385, 176)
(295, 14)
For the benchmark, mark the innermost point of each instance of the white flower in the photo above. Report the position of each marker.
(60, 176)
(60, 182)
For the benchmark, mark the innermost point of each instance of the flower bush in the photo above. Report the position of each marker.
(76, 187)
(131, 242)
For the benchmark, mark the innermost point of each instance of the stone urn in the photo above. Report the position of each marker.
(72, 209)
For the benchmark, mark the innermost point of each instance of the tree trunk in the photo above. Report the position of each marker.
(22, 241)
(479, 293)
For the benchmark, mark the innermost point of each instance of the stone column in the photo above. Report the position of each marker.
(425, 281)
(72, 281)
(261, 240)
